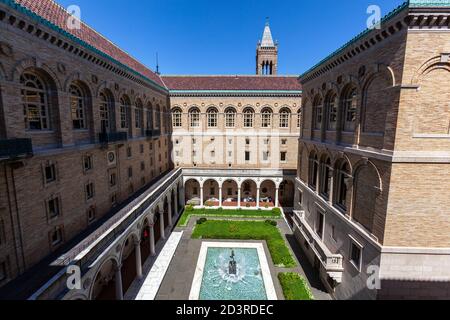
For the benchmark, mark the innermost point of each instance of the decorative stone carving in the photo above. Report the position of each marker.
(94, 79)
(61, 67)
(6, 49)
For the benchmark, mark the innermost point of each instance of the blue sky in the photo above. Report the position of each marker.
(219, 37)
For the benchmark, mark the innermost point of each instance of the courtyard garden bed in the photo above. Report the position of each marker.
(227, 213)
(294, 286)
(248, 230)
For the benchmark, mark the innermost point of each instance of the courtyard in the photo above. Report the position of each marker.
(178, 270)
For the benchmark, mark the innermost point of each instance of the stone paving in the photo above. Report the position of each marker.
(179, 276)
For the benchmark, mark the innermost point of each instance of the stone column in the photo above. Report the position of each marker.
(331, 186)
(276, 197)
(161, 225)
(170, 212)
(152, 240)
(257, 197)
(220, 196)
(118, 282)
(176, 204)
(239, 196)
(137, 252)
(201, 196)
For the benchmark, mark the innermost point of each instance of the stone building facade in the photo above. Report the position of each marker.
(86, 143)
(84, 127)
(373, 187)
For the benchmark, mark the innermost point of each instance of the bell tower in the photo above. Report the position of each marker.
(267, 54)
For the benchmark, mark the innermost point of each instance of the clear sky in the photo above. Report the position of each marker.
(220, 36)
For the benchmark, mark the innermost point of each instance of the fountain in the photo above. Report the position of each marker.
(232, 268)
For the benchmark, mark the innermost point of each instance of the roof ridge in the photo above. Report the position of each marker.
(228, 75)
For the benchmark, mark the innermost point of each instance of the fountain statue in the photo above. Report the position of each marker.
(232, 269)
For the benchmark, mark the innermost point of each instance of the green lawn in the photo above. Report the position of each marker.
(294, 286)
(232, 213)
(248, 230)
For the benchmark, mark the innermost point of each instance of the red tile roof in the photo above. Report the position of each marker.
(54, 13)
(252, 83)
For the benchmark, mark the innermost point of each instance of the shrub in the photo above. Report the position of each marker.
(271, 222)
(276, 211)
(201, 221)
(189, 208)
(295, 287)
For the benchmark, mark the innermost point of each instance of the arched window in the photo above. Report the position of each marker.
(176, 118)
(124, 112)
(249, 115)
(349, 110)
(194, 116)
(211, 114)
(105, 108)
(299, 118)
(78, 107)
(35, 102)
(149, 116)
(313, 170)
(139, 114)
(285, 116)
(318, 113)
(326, 176)
(331, 106)
(230, 117)
(266, 118)
(343, 176)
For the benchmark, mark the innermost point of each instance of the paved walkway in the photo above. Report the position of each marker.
(180, 274)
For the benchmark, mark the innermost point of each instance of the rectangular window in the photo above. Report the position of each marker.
(89, 191)
(266, 155)
(284, 119)
(230, 153)
(113, 200)
(130, 172)
(320, 223)
(333, 233)
(266, 119)
(300, 197)
(112, 179)
(141, 147)
(91, 214)
(248, 119)
(53, 207)
(142, 166)
(129, 153)
(283, 156)
(318, 117)
(50, 173)
(195, 119)
(151, 146)
(247, 141)
(212, 119)
(87, 163)
(355, 255)
(247, 155)
(124, 117)
(138, 118)
(230, 119)
(56, 237)
(176, 119)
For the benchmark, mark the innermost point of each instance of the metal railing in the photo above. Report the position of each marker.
(14, 148)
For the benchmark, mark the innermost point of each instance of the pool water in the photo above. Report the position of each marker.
(218, 284)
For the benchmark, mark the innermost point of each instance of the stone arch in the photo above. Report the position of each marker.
(367, 189)
(431, 112)
(192, 191)
(128, 260)
(77, 77)
(428, 66)
(105, 85)
(79, 296)
(36, 64)
(230, 192)
(267, 192)
(374, 110)
(211, 188)
(107, 291)
(248, 192)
